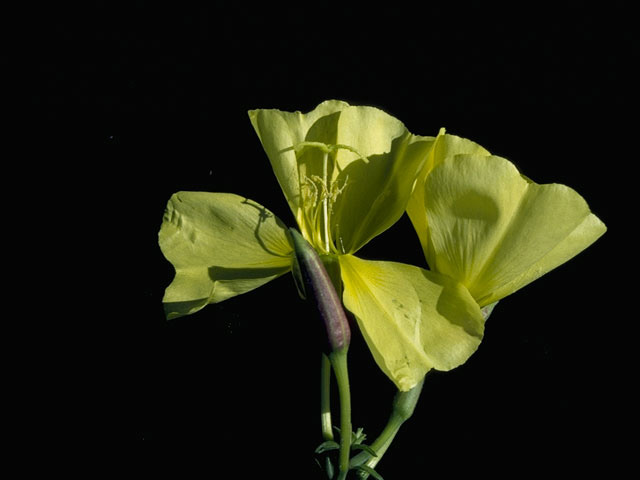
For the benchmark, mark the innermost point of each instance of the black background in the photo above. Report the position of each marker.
(145, 100)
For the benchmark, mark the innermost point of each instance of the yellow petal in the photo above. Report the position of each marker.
(412, 319)
(347, 171)
(445, 146)
(221, 245)
(495, 231)
(282, 133)
(378, 184)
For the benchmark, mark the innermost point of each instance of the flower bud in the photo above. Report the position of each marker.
(319, 289)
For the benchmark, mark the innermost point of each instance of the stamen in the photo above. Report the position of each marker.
(320, 194)
(312, 190)
(339, 237)
(336, 191)
(320, 181)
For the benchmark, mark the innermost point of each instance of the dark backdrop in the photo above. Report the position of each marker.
(152, 99)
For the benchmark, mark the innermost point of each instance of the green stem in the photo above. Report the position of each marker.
(325, 398)
(380, 445)
(320, 287)
(404, 403)
(339, 362)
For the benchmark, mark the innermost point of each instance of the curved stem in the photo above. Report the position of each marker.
(339, 362)
(404, 403)
(381, 444)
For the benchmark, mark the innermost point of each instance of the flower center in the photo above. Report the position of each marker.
(320, 191)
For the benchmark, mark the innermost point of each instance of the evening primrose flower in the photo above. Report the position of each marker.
(484, 224)
(347, 173)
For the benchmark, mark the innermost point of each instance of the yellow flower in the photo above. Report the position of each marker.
(347, 173)
(484, 224)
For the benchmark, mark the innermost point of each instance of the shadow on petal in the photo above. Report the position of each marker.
(376, 192)
(224, 273)
(462, 314)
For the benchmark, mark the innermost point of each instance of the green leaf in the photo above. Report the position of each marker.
(366, 448)
(220, 245)
(370, 471)
(358, 436)
(329, 468)
(327, 446)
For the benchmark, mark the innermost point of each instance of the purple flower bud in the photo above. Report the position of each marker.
(319, 289)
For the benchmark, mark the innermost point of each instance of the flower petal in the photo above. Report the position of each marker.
(412, 319)
(346, 171)
(496, 231)
(221, 245)
(445, 145)
(280, 132)
(377, 184)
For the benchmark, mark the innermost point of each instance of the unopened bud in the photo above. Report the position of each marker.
(318, 288)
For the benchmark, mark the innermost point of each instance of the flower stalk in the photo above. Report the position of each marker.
(325, 399)
(404, 404)
(319, 289)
